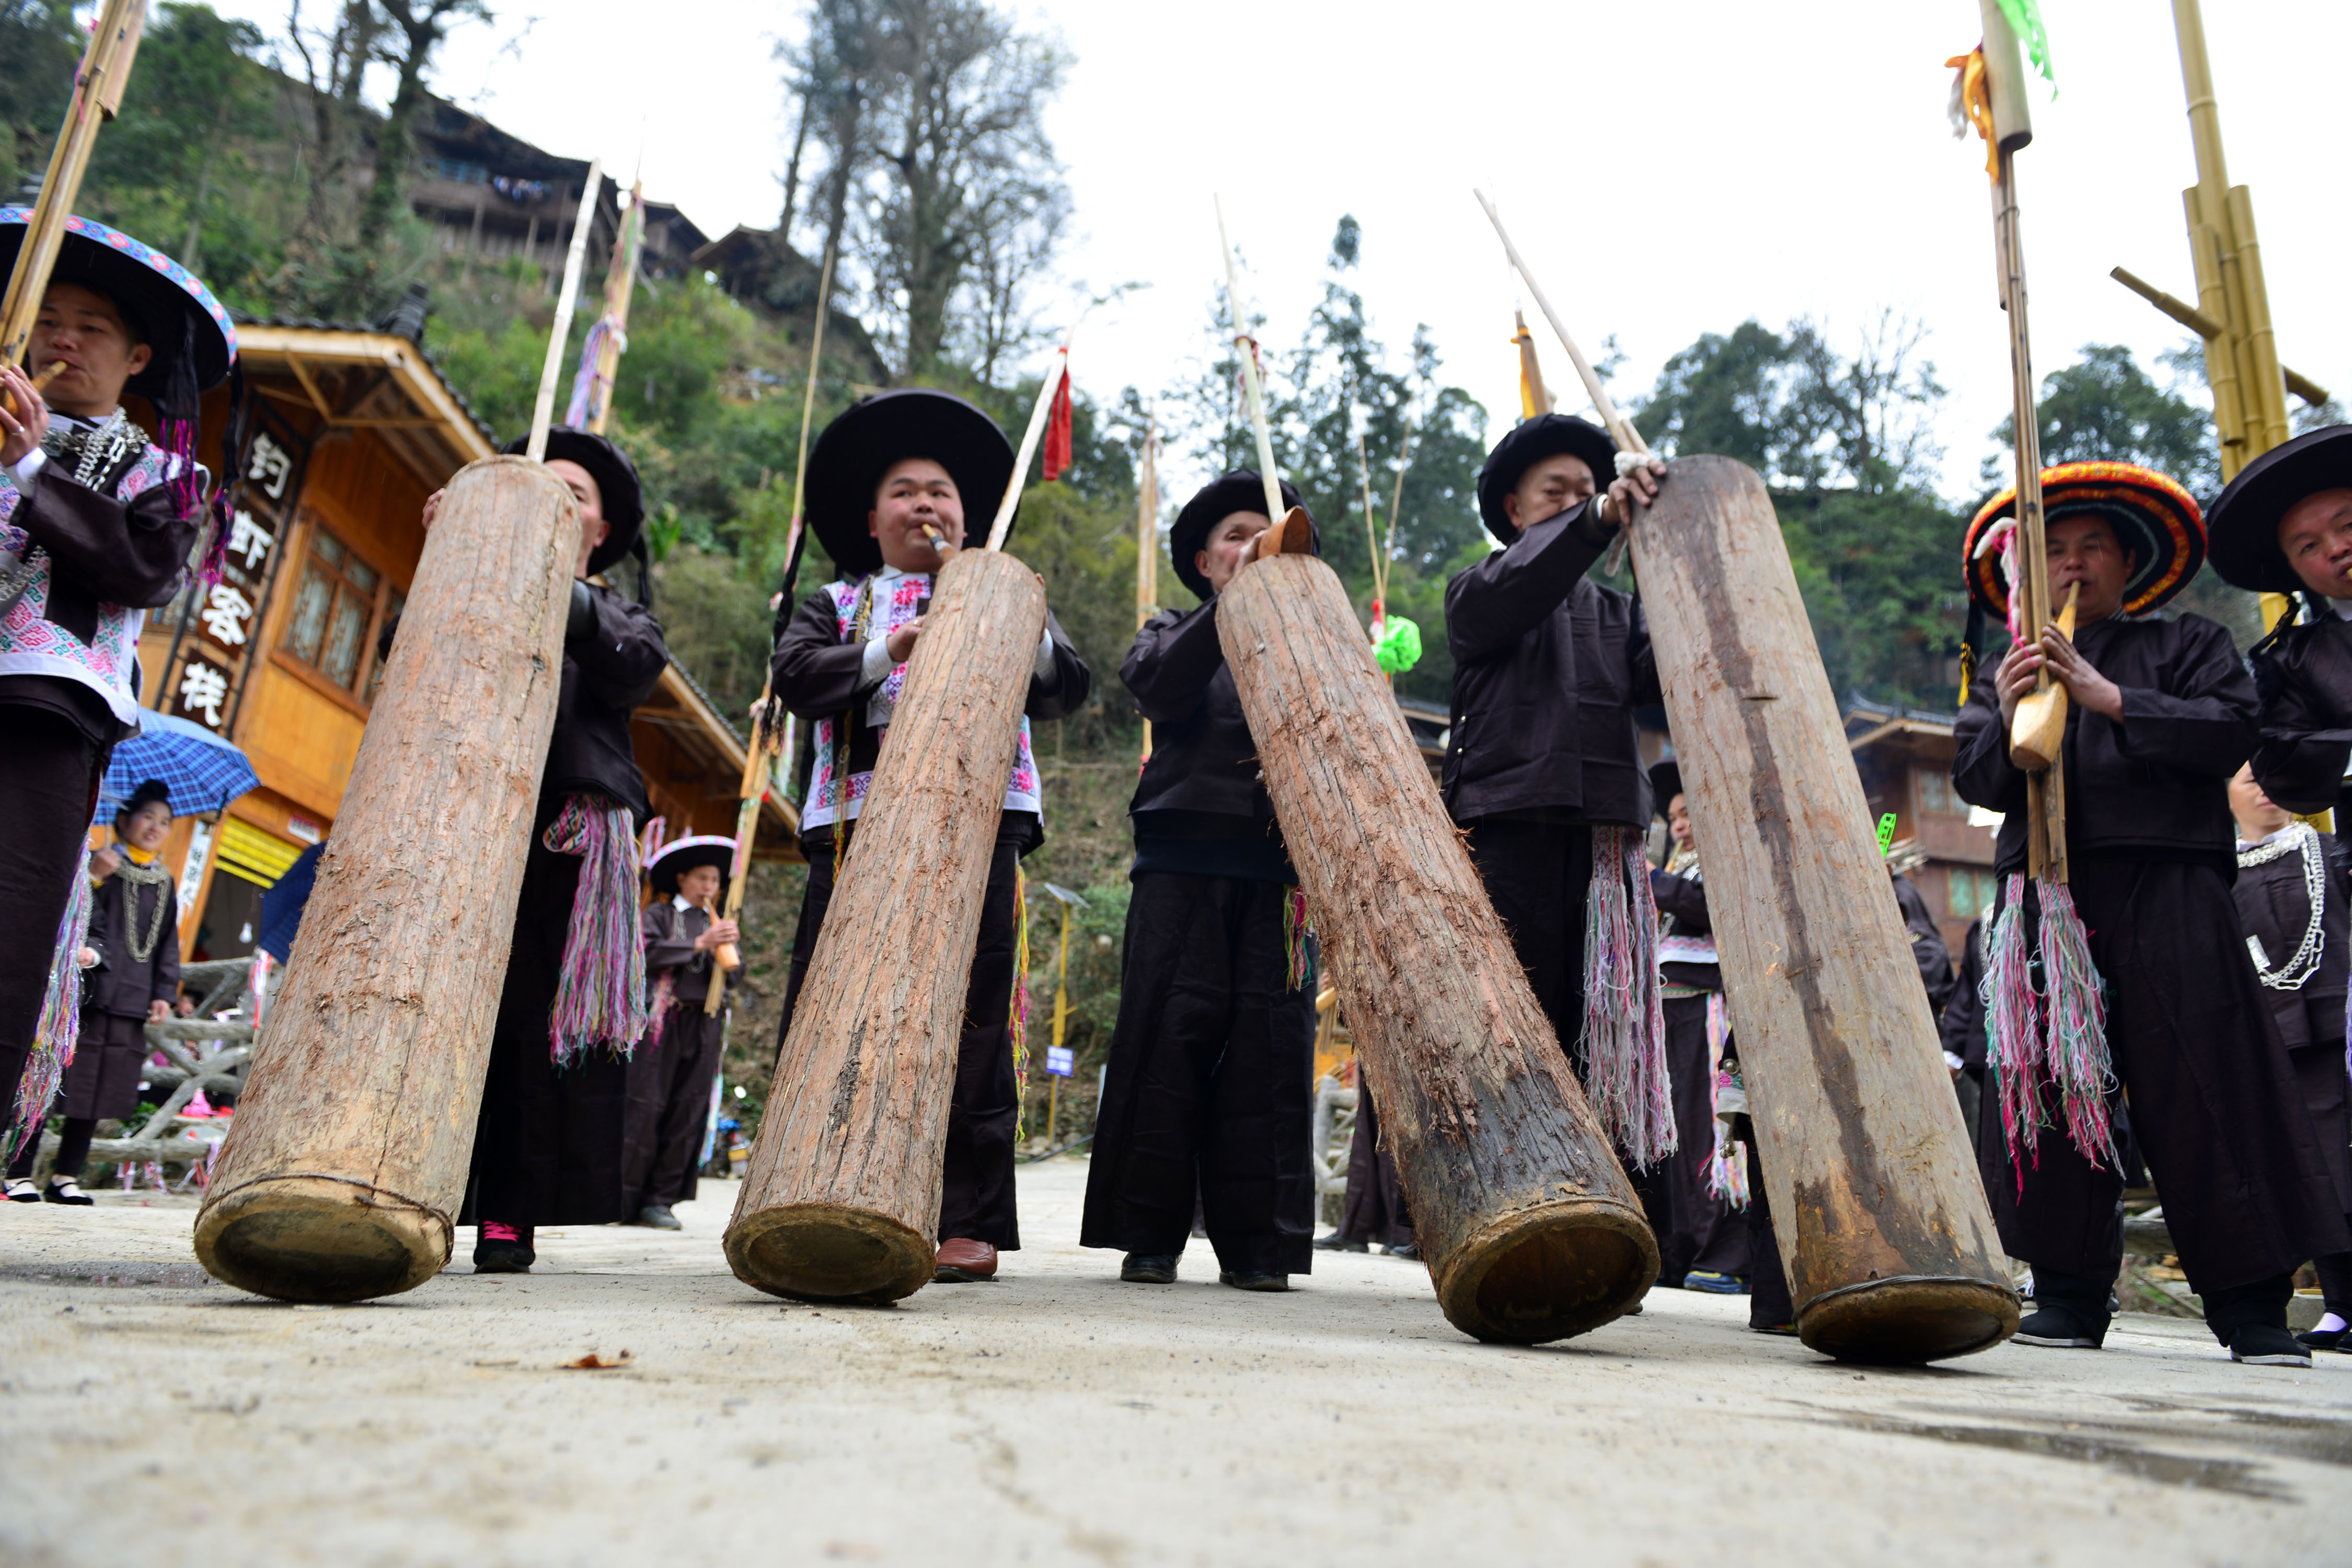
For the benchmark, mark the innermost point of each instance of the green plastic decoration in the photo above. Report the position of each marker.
(1885, 834)
(1398, 647)
(2025, 20)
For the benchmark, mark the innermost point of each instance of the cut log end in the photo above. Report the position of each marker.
(308, 1238)
(1549, 1273)
(1908, 1321)
(829, 1252)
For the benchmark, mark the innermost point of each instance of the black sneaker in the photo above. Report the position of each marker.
(1253, 1280)
(1148, 1269)
(1335, 1242)
(2053, 1328)
(504, 1250)
(2268, 1344)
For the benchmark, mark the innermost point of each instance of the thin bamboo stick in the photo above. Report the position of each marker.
(543, 412)
(1247, 344)
(1621, 429)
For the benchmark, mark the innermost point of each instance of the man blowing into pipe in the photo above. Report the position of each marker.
(2161, 714)
(1209, 1087)
(889, 482)
(97, 524)
(1541, 766)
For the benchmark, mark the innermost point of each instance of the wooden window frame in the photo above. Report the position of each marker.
(314, 675)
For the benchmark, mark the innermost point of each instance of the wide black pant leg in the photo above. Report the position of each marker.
(1769, 1302)
(1701, 1231)
(1208, 1091)
(547, 1149)
(1539, 878)
(976, 1197)
(2215, 1108)
(669, 1107)
(1374, 1210)
(48, 787)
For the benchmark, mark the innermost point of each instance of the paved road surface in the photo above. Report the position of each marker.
(149, 1416)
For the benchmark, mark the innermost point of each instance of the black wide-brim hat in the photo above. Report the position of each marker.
(1666, 783)
(623, 498)
(1530, 443)
(2154, 518)
(2243, 524)
(1244, 490)
(856, 449)
(679, 856)
(168, 305)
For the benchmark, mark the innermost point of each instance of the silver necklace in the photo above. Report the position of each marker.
(2304, 963)
(142, 945)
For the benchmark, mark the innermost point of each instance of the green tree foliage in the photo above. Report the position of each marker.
(39, 45)
(2105, 408)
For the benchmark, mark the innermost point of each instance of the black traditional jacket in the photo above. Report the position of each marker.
(2153, 787)
(610, 666)
(670, 934)
(2275, 905)
(1927, 948)
(1962, 1025)
(1201, 804)
(1549, 668)
(122, 984)
(2305, 681)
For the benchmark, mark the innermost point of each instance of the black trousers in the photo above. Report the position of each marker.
(669, 1106)
(48, 787)
(1539, 876)
(1375, 1212)
(1697, 1230)
(1209, 1086)
(73, 1149)
(976, 1198)
(1768, 1304)
(547, 1149)
(2216, 1109)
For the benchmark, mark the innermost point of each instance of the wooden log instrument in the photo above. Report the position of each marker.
(1881, 1221)
(2039, 731)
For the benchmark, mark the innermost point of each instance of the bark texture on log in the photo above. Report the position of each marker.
(1531, 1229)
(347, 1155)
(842, 1193)
(1886, 1234)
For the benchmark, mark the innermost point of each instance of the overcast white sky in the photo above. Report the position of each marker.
(1668, 169)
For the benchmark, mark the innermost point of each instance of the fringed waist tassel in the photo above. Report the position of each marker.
(2053, 1032)
(60, 1025)
(1624, 1042)
(601, 994)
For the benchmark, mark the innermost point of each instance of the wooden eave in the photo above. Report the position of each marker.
(395, 393)
(680, 711)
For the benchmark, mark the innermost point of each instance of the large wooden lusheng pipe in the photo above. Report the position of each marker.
(348, 1157)
(843, 1189)
(2040, 728)
(1881, 1218)
(1531, 1230)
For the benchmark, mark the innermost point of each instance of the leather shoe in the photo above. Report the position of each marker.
(657, 1216)
(1148, 1269)
(1253, 1279)
(68, 1191)
(963, 1261)
(1335, 1242)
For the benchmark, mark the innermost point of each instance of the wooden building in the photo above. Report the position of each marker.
(1904, 757)
(348, 430)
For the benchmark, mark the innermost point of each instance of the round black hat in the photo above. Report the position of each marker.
(1665, 781)
(169, 306)
(2242, 527)
(1530, 442)
(1244, 490)
(857, 448)
(617, 483)
(679, 856)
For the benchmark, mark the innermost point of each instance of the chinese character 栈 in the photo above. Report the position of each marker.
(202, 689)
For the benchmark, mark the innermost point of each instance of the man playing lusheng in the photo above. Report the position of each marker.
(97, 524)
(2285, 526)
(1541, 766)
(2162, 714)
(893, 471)
(1209, 1086)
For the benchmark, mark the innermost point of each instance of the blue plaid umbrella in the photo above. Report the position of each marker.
(202, 772)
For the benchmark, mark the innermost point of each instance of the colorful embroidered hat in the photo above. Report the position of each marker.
(679, 856)
(2156, 521)
(2244, 522)
(1242, 491)
(623, 498)
(857, 448)
(1529, 442)
(183, 324)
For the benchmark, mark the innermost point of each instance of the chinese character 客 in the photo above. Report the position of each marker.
(249, 539)
(202, 689)
(225, 615)
(272, 465)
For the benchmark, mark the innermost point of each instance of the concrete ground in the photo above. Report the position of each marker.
(148, 1415)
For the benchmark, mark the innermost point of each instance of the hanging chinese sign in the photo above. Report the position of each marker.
(211, 645)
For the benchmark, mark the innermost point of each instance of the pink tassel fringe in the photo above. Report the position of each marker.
(60, 1025)
(1624, 1042)
(602, 995)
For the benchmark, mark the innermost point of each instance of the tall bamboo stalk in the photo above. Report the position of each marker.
(1147, 543)
(542, 412)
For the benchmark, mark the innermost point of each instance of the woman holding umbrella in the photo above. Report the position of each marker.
(130, 978)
